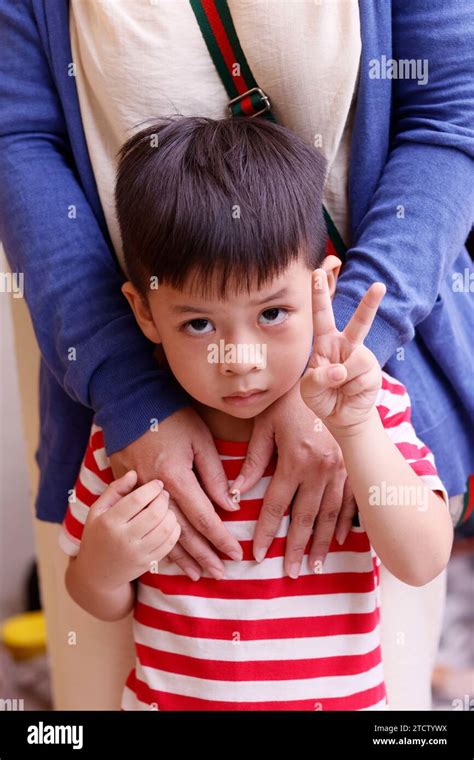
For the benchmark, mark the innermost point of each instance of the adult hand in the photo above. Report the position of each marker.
(182, 441)
(310, 470)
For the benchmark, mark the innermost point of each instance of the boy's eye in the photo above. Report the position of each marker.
(197, 326)
(273, 316)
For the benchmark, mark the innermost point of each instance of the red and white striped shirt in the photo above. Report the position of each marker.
(257, 639)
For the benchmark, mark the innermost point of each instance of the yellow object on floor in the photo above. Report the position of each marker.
(25, 635)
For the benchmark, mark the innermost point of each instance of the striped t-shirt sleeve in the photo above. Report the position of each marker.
(94, 477)
(394, 408)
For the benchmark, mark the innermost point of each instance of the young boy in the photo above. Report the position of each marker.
(224, 243)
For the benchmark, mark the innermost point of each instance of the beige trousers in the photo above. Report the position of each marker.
(90, 659)
(411, 630)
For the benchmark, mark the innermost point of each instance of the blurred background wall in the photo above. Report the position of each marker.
(18, 439)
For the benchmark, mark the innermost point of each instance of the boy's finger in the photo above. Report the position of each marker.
(319, 379)
(360, 361)
(364, 383)
(114, 492)
(323, 315)
(160, 533)
(148, 518)
(360, 323)
(134, 502)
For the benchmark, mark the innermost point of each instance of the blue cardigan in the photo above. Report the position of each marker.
(412, 147)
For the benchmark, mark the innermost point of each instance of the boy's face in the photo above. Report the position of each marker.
(258, 342)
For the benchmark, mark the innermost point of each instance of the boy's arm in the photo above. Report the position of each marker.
(384, 459)
(105, 605)
(108, 533)
(412, 540)
(94, 476)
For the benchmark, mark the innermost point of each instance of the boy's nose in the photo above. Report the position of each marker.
(239, 368)
(242, 358)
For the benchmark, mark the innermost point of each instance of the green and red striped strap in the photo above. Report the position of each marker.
(246, 97)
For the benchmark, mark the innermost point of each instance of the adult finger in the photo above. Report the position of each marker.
(303, 514)
(191, 499)
(194, 546)
(276, 504)
(259, 452)
(211, 472)
(326, 521)
(188, 565)
(349, 509)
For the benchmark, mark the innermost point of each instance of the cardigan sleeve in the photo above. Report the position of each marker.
(85, 329)
(422, 210)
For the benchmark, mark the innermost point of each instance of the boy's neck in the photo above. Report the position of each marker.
(223, 425)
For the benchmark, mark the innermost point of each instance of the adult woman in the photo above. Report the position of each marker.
(125, 72)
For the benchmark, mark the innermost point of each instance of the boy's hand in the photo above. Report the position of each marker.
(125, 531)
(343, 377)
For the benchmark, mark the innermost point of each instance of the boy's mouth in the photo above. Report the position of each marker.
(243, 398)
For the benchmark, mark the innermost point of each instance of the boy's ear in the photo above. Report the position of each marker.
(141, 311)
(332, 266)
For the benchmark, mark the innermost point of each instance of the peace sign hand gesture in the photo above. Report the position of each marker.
(343, 377)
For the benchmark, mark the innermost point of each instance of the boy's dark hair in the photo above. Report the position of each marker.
(237, 198)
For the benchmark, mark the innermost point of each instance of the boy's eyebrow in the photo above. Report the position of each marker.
(183, 308)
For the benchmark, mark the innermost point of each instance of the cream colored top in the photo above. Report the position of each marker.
(136, 60)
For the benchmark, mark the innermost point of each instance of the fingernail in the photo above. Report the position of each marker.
(233, 503)
(237, 555)
(193, 574)
(341, 536)
(216, 573)
(159, 483)
(259, 554)
(294, 570)
(318, 564)
(237, 484)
